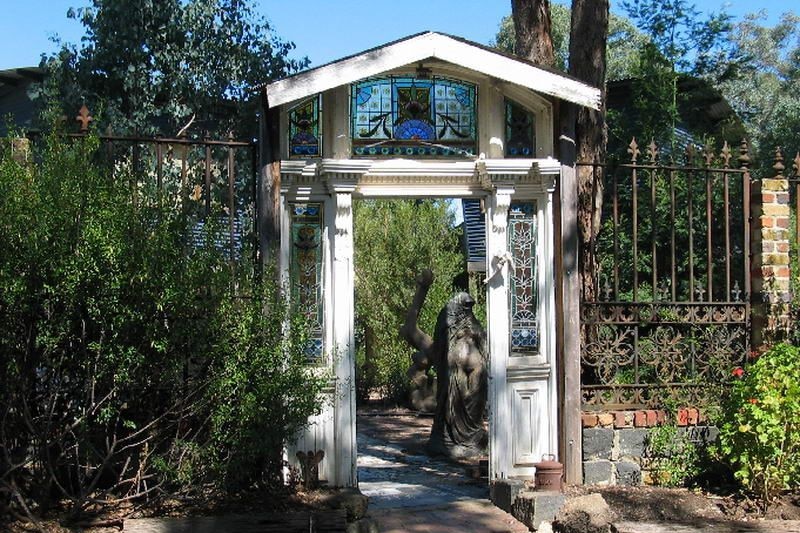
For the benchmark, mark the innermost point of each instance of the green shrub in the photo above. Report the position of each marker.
(760, 433)
(133, 360)
(674, 458)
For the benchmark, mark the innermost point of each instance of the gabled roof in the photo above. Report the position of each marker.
(424, 46)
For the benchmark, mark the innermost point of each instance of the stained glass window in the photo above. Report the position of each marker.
(305, 134)
(405, 116)
(522, 230)
(520, 131)
(306, 269)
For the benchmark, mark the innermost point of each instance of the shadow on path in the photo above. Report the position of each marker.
(409, 491)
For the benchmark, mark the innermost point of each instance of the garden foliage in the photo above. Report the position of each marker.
(395, 240)
(760, 433)
(135, 359)
(156, 66)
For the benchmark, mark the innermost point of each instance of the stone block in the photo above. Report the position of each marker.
(503, 492)
(632, 442)
(597, 443)
(776, 210)
(628, 473)
(586, 514)
(598, 472)
(351, 500)
(769, 184)
(533, 508)
(776, 259)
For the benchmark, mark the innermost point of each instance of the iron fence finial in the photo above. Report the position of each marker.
(796, 165)
(652, 151)
(708, 154)
(633, 149)
(690, 154)
(779, 166)
(744, 154)
(725, 155)
(84, 118)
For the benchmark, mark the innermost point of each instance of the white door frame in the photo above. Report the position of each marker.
(516, 384)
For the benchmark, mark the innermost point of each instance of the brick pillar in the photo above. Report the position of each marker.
(770, 270)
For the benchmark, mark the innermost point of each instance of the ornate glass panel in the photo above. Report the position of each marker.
(306, 269)
(305, 134)
(520, 131)
(522, 231)
(406, 116)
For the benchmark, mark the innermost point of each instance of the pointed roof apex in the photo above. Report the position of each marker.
(426, 45)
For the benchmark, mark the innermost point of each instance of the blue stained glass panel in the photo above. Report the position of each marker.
(520, 131)
(407, 116)
(306, 270)
(305, 133)
(522, 241)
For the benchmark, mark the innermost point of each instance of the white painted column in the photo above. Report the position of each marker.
(498, 331)
(343, 349)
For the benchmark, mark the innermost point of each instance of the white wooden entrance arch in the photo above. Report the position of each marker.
(319, 180)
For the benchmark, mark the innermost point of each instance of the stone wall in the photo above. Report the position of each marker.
(615, 450)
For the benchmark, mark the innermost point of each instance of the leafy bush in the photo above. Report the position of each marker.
(674, 458)
(760, 433)
(132, 360)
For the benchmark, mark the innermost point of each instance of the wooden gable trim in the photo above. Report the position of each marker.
(420, 48)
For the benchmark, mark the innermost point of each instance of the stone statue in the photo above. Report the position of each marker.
(458, 353)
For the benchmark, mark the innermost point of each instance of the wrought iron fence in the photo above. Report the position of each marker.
(205, 179)
(671, 319)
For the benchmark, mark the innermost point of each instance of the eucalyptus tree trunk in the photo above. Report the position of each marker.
(587, 62)
(533, 32)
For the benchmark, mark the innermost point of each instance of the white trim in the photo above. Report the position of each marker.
(398, 178)
(422, 47)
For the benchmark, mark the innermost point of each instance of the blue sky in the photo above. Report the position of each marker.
(323, 30)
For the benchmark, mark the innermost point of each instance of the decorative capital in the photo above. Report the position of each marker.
(502, 202)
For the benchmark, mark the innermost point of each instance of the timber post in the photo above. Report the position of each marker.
(570, 394)
(268, 189)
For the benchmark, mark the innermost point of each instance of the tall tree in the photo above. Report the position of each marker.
(767, 96)
(155, 65)
(534, 37)
(679, 41)
(625, 41)
(587, 62)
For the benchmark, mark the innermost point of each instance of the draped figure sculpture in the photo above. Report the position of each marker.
(458, 353)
